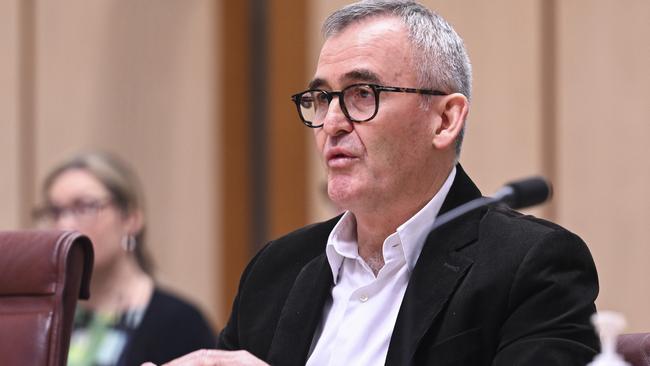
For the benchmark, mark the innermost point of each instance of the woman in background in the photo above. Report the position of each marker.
(128, 319)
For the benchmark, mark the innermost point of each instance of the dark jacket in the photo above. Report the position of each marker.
(170, 329)
(494, 288)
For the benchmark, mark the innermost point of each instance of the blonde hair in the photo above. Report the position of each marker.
(120, 181)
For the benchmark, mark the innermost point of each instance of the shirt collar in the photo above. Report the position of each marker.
(415, 230)
(342, 241)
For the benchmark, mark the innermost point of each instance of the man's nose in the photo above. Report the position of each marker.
(335, 122)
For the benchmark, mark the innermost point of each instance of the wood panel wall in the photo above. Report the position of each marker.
(603, 181)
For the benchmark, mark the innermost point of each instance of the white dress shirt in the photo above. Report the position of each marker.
(358, 321)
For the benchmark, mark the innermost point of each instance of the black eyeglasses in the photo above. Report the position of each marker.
(359, 102)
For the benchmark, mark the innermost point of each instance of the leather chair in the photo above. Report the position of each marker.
(42, 274)
(635, 348)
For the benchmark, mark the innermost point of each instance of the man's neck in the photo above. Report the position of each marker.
(374, 226)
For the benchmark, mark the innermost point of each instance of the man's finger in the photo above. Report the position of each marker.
(200, 357)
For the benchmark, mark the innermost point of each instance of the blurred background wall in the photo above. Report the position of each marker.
(195, 95)
(137, 78)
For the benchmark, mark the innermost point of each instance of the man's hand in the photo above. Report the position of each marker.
(213, 357)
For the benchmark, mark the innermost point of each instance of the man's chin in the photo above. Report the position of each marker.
(343, 195)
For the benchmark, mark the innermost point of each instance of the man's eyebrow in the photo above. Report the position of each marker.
(316, 83)
(358, 75)
(364, 75)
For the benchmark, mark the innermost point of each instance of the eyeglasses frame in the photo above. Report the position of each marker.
(45, 212)
(375, 87)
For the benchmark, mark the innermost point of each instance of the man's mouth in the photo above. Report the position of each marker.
(339, 158)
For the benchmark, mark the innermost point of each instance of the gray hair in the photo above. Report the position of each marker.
(440, 56)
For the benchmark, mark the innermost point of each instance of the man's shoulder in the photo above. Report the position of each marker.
(281, 260)
(511, 221)
(513, 229)
(297, 247)
(316, 233)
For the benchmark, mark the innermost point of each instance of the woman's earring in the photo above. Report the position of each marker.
(128, 242)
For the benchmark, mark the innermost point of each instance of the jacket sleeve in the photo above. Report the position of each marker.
(550, 304)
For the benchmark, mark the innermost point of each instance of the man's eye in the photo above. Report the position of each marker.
(321, 98)
(306, 102)
(363, 92)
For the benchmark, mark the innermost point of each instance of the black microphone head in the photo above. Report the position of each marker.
(528, 192)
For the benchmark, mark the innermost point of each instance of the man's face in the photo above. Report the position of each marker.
(390, 159)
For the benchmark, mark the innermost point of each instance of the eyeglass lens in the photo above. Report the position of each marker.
(358, 103)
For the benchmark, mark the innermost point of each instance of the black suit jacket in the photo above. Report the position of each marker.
(494, 288)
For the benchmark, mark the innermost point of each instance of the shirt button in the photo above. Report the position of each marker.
(363, 298)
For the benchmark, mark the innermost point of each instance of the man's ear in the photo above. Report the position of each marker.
(453, 109)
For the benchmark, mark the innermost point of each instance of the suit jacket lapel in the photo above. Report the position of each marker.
(301, 314)
(439, 269)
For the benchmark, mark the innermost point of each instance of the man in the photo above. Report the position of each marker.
(376, 286)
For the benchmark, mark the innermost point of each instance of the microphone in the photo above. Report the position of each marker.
(524, 193)
(518, 194)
